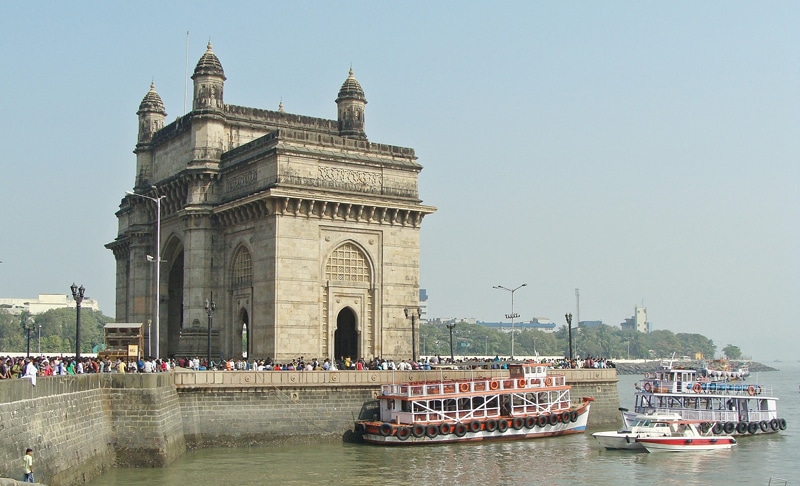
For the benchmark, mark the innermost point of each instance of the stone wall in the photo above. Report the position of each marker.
(80, 426)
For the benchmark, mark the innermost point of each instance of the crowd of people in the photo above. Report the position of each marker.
(31, 367)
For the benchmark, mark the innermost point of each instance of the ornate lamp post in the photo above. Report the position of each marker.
(77, 294)
(28, 325)
(157, 261)
(210, 306)
(450, 326)
(511, 316)
(414, 314)
(568, 317)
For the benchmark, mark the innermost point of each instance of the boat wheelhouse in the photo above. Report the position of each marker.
(528, 403)
(724, 408)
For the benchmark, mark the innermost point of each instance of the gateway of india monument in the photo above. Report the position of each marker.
(286, 235)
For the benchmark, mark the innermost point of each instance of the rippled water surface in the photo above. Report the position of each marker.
(568, 460)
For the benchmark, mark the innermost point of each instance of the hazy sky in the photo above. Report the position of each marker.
(644, 152)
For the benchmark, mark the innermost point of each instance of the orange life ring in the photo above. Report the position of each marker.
(647, 387)
(521, 383)
(548, 381)
(464, 387)
(751, 390)
(493, 385)
(647, 376)
(697, 388)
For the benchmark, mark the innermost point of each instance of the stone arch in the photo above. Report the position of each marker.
(172, 302)
(349, 302)
(242, 267)
(345, 338)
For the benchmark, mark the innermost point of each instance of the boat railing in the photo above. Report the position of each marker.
(711, 387)
(421, 389)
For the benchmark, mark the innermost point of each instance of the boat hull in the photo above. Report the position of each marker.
(681, 444)
(474, 431)
(618, 441)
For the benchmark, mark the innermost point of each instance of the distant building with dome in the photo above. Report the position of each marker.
(303, 233)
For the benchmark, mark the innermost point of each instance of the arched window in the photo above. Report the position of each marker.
(242, 268)
(347, 264)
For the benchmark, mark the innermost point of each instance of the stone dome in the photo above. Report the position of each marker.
(351, 89)
(209, 64)
(151, 103)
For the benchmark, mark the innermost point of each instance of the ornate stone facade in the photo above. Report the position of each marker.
(303, 233)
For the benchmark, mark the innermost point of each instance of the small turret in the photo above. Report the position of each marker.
(151, 115)
(209, 80)
(351, 102)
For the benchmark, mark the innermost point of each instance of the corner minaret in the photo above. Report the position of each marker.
(209, 80)
(351, 102)
(151, 119)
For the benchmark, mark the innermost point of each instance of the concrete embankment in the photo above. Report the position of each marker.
(80, 426)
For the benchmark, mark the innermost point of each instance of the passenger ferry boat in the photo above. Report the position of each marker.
(724, 408)
(529, 403)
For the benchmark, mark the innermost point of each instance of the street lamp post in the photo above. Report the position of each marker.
(28, 325)
(157, 260)
(450, 326)
(210, 306)
(77, 294)
(568, 317)
(414, 314)
(511, 316)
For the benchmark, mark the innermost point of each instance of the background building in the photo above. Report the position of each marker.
(44, 303)
(638, 322)
(302, 232)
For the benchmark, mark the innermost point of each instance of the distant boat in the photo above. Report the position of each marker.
(646, 425)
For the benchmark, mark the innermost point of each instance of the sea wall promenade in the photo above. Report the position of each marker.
(79, 426)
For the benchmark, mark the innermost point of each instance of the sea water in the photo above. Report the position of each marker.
(567, 460)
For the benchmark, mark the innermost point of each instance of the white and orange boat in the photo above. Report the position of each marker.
(684, 436)
(528, 404)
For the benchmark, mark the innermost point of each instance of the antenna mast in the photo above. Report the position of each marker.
(186, 74)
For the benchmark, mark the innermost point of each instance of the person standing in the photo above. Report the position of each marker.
(28, 466)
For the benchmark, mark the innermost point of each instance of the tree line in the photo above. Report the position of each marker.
(599, 341)
(54, 331)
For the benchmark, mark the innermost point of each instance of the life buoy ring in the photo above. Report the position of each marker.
(464, 387)
(573, 416)
(431, 431)
(403, 433)
(548, 381)
(758, 389)
(729, 427)
(493, 385)
(647, 376)
(475, 426)
(697, 388)
(386, 429)
(460, 430)
(502, 425)
(518, 423)
(491, 425)
(418, 430)
(751, 390)
(446, 428)
(530, 422)
(648, 387)
(541, 421)
(521, 383)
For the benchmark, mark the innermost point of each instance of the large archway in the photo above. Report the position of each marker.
(175, 322)
(345, 339)
(244, 334)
